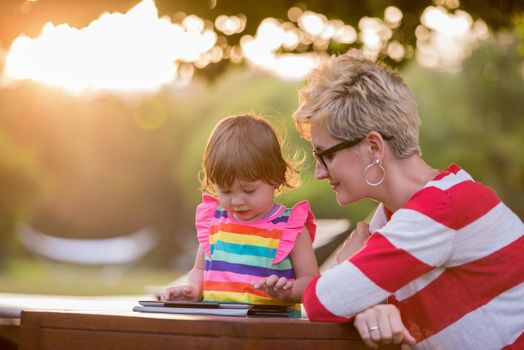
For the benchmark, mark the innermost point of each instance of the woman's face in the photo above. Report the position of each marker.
(344, 168)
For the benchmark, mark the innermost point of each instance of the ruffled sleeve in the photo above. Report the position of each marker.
(205, 212)
(301, 216)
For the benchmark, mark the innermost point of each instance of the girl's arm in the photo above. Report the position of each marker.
(192, 290)
(305, 267)
(196, 276)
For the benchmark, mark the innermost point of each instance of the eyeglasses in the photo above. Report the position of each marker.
(320, 156)
(344, 144)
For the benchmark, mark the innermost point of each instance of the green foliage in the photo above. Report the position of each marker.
(475, 117)
(21, 181)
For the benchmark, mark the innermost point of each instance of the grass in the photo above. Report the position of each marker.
(34, 276)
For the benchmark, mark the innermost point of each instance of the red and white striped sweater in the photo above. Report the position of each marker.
(452, 260)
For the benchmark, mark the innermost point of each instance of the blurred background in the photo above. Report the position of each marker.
(106, 106)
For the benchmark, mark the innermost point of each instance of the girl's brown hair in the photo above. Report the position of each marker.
(245, 147)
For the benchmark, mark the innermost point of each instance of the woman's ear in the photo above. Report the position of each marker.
(376, 145)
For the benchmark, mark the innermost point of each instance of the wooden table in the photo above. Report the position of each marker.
(9, 333)
(58, 330)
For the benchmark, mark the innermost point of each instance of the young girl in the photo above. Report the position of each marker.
(252, 249)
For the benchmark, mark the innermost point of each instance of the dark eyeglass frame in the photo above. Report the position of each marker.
(339, 146)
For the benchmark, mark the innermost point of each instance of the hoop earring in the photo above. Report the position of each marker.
(379, 164)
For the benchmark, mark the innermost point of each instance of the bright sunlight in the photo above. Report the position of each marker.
(116, 52)
(141, 52)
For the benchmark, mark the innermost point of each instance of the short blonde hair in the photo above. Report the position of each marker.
(352, 96)
(245, 147)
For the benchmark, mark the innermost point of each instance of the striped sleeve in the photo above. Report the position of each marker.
(414, 242)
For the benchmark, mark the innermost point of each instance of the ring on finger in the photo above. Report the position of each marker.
(374, 328)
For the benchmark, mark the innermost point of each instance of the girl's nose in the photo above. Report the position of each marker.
(236, 200)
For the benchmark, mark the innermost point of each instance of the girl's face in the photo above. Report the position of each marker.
(247, 200)
(344, 168)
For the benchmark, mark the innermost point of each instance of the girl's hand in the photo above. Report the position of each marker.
(382, 324)
(356, 240)
(276, 287)
(186, 292)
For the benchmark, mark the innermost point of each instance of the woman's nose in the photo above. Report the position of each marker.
(320, 171)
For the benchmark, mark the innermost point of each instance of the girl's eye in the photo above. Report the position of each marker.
(249, 191)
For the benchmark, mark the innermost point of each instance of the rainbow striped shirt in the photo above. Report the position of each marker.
(238, 252)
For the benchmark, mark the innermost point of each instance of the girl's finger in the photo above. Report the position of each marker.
(281, 282)
(288, 285)
(258, 284)
(271, 281)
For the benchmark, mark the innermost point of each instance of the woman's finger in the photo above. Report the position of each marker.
(384, 325)
(408, 338)
(399, 331)
(374, 331)
(372, 318)
(395, 325)
(363, 227)
(360, 324)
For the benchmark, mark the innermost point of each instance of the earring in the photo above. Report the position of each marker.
(381, 167)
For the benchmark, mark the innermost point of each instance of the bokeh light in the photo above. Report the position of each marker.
(139, 51)
(444, 39)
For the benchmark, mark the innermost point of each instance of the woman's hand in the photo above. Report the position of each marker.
(280, 288)
(357, 239)
(186, 292)
(382, 324)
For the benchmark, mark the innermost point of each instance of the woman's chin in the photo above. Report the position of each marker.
(343, 200)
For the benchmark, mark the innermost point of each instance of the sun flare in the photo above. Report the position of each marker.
(114, 52)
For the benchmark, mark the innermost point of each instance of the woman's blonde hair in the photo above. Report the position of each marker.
(352, 96)
(245, 147)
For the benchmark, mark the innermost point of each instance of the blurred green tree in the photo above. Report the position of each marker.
(474, 117)
(21, 182)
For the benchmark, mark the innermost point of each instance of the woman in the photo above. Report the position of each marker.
(441, 247)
